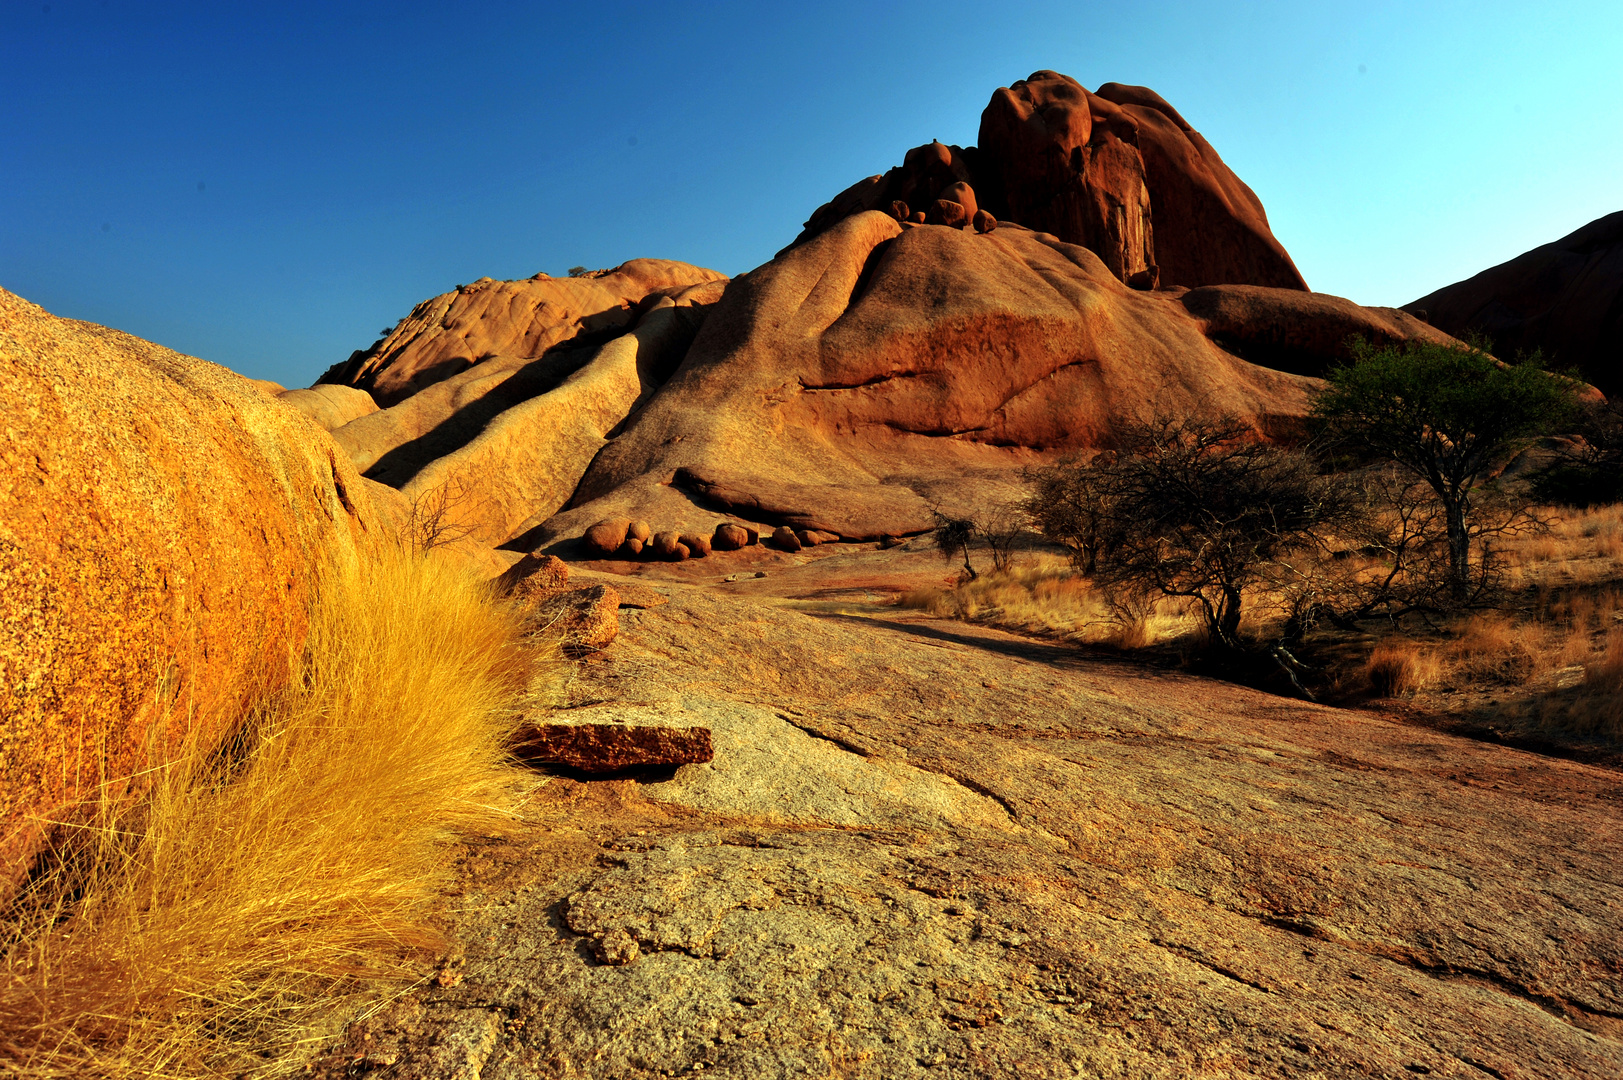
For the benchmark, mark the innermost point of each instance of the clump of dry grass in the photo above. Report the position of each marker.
(218, 926)
(1045, 594)
(1398, 666)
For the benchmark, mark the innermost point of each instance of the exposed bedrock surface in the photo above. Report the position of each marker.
(930, 849)
(161, 519)
(1565, 298)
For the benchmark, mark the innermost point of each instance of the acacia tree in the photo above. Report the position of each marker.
(1201, 510)
(1448, 414)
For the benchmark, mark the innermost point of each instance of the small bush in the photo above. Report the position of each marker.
(1398, 667)
(224, 922)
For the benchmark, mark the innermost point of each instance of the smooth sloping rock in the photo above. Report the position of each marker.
(330, 405)
(1564, 298)
(1297, 331)
(947, 850)
(161, 519)
(601, 748)
(1210, 227)
(448, 334)
(860, 376)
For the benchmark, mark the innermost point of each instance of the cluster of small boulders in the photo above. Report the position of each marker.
(620, 538)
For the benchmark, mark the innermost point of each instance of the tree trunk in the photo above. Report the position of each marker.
(1228, 617)
(1459, 548)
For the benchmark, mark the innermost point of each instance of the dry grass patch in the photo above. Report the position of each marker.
(1044, 594)
(225, 923)
(1398, 666)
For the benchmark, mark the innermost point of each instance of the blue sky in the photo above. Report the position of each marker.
(268, 186)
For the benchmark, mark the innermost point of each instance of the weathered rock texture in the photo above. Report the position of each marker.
(518, 385)
(1564, 298)
(160, 521)
(604, 748)
(947, 851)
(1117, 171)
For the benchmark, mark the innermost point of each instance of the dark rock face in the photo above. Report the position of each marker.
(1565, 298)
(604, 748)
(1117, 171)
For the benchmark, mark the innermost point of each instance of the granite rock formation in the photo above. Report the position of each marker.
(1117, 171)
(161, 519)
(1564, 298)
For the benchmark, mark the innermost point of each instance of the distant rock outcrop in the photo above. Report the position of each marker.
(1565, 298)
(160, 522)
(1117, 171)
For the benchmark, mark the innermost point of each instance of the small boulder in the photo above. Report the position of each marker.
(604, 538)
(948, 213)
(585, 619)
(639, 530)
(962, 194)
(808, 537)
(917, 217)
(984, 222)
(698, 546)
(899, 210)
(534, 576)
(784, 538)
(1146, 279)
(823, 537)
(664, 544)
(682, 553)
(632, 547)
(730, 537)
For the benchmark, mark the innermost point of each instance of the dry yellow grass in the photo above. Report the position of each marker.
(1045, 595)
(1398, 666)
(221, 925)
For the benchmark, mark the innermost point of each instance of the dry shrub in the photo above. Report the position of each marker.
(1595, 708)
(931, 601)
(1398, 666)
(1492, 648)
(230, 919)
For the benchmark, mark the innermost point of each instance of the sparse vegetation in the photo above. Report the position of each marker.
(257, 892)
(1448, 416)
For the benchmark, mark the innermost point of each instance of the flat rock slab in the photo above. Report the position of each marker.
(607, 748)
(928, 849)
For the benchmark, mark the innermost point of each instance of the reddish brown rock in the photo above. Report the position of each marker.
(917, 217)
(730, 537)
(984, 222)
(1564, 299)
(681, 552)
(664, 544)
(162, 521)
(1210, 227)
(948, 213)
(534, 576)
(1065, 162)
(962, 194)
(899, 210)
(640, 531)
(698, 545)
(632, 547)
(785, 539)
(585, 619)
(604, 748)
(1296, 331)
(606, 537)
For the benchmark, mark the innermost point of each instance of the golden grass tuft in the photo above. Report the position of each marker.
(225, 923)
(1397, 667)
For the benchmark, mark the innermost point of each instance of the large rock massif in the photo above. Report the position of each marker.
(889, 361)
(161, 519)
(1565, 298)
(930, 849)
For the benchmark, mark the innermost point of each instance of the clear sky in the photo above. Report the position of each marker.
(267, 186)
